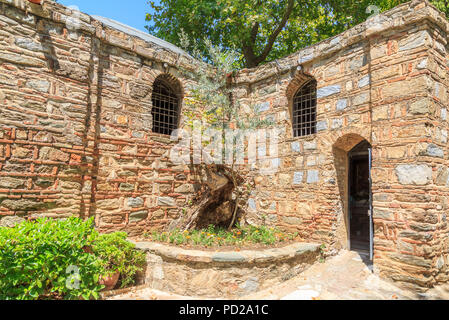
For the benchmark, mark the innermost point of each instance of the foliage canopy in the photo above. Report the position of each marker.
(262, 31)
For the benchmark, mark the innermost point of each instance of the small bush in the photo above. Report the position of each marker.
(117, 254)
(40, 260)
(62, 259)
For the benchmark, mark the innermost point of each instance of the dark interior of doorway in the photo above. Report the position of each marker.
(359, 198)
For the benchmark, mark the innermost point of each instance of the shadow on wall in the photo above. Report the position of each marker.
(94, 113)
(89, 162)
(45, 40)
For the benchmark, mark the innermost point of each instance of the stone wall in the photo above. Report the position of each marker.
(438, 66)
(383, 81)
(76, 121)
(75, 135)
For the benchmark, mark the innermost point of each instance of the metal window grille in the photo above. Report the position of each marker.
(304, 110)
(165, 109)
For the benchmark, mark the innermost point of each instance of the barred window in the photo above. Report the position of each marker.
(304, 110)
(165, 108)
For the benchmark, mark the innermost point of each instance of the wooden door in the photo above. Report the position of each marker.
(360, 207)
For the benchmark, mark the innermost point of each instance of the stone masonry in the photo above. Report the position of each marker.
(75, 131)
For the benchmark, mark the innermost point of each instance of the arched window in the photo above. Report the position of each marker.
(165, 108)
(304, 110)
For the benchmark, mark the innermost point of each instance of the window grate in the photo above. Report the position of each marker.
(165, 109)
(304, 110)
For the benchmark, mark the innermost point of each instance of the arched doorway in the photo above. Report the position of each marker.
(353, 163)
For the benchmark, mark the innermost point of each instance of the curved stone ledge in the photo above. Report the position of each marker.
(229, 274)
(260, 256)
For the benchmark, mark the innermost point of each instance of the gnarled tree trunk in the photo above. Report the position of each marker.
(215, 206)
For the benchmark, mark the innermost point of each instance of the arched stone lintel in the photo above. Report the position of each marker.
(347, 141)
(172, 81)
(299, 79)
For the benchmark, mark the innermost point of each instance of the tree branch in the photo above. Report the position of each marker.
(254, 32)
(248, 46)
(272, 38)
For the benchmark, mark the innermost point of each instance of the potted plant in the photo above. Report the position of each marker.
(109, 281)
(119, 258)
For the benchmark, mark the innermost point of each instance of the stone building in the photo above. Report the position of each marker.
(84, 133)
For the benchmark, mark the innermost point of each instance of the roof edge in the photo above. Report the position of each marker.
(125, 37)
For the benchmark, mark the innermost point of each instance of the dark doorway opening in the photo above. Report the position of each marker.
(360, 198)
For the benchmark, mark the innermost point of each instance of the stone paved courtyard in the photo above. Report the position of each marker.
(343, 277)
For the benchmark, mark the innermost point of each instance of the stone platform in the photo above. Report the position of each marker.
(228, 275)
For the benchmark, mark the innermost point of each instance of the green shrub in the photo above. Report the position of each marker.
(117, 254)
(62, 259)
(41, 260)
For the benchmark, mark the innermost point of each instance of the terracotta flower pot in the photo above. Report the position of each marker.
(110, 281)
(35, 1)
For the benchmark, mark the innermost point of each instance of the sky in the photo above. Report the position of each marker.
(130, 12)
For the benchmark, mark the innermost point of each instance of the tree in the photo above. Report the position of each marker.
(258, 30)
(217, 124)
(348, 13)
(262, 30)
(442, 5)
